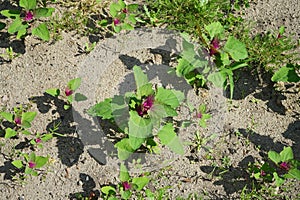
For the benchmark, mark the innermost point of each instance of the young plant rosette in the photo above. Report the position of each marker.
(141, 116)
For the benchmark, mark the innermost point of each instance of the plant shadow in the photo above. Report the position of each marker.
(88, 187)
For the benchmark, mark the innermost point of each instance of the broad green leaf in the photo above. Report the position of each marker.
(169, 138)
(145, 90)
(108, 190)
(28, 170)
(225, 58)
(126, 26)
(41, 161)
(10, 13)
(46, 137)
(286, 154)
(172, 98)
(74, 84)
(43, 12)
(281, 30)
(236, 49)
(278, 180)
(53, 92)
(124, 174)
(274, 156)
(117, 29)
(102, 109)
(120, 111)
(141, 79)
(184, 67)
(215, 29)
(10, 133)
(125, 194)
(67, 106)
(114, 8)
(132, 19)
(140, 182)
(28, 116)
(132, 7)
(138, 126)
(16, 26)
(217, 78)
(42, 32)
(8, 116)
(293, 173)
(124, 149)
(286, 74)
(136, 142)
(17, 163)
(28, 4)
(157, 112)
(26, 132)
(80, 97)
(22, 32)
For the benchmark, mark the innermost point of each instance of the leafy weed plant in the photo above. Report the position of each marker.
(142, 115)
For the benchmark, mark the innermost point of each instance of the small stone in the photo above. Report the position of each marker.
(80, 183)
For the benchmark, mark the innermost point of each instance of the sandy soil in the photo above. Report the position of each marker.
(259, 118)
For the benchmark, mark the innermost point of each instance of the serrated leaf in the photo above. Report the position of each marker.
(286, 154)
(236, 49)
(172, 98)
(215, 29)
(42, 32)
(8, 116)
(124, 174)
(10, 13)
(10, 133)
(80, 97)
(124, 149)
(28, 116)
(169, 138)
(102, 109)
(274, 156)
(53, 92)
(28, 4)
(140, 182)
(108, 190)
(286, 74)
(17, 163)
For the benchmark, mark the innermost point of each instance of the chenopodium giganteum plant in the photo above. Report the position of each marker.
(226, 54)
(141, 116)
(26, 18)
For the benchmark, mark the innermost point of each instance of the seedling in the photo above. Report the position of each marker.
(141, 116)
(26, 18)
(9, 54)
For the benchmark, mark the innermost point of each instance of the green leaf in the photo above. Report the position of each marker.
(10, 133)
(108, 190)
(286, 154)
(145, 90)
(8, 116)
(17, 26)
(42, 32)
(278, 180)
(132, 19)
(22, 32)
(184, 67)
(43, 12)
(102, 109)
(28, 116)
(140, 182)
(80, 97)
(120, 111)
(274, 156)
(74, 84)
(281, 30)
(294, 173)
(53, 92)
(124, 174)
(157, 112)
(215, 29)
(126, 26)
(41, 161)
(17, 163)
(172, 98)
(132, 7)
(10, 13)
(286, 74)
(67, 106)
(117, 29)
(26, 132)
(225, 58)
(114, 8)
(141, 79)
(169, 138)
(124, 149)
(236, 49)
(217, 78)
(28, 4)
